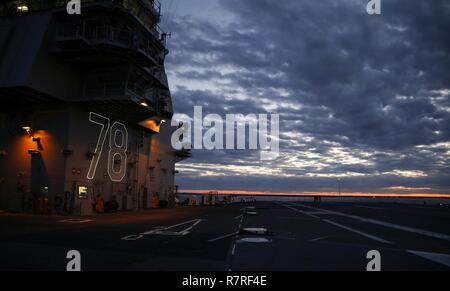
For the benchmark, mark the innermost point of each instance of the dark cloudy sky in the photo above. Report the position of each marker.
(362, 98)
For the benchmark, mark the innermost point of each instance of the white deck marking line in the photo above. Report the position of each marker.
(165, 230)
(387, 224)
(230, 234)
(223, 236)
(372, 237)
(299, 211)
(76, 220)
(375, 238)
(442, 259)
(132, 237)
(162, 229)
(188, 230)
(241, 221)
(319, 238)
(234, 235)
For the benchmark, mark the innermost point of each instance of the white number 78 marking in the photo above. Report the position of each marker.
(116, 149)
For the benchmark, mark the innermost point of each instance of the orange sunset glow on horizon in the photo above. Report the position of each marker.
(312, 194)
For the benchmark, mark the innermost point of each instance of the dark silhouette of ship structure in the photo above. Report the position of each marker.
(85, 116)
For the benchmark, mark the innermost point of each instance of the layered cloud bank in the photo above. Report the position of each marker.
(364, 100)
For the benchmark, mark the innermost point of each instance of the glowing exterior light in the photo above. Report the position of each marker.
(27, 129)
(22, 8)
(143, 104)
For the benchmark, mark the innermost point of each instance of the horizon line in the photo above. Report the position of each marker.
(312, 194)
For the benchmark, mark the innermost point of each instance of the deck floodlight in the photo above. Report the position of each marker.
(22, 8)
(27, 129)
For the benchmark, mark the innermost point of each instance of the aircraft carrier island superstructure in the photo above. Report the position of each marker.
(85, 115)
